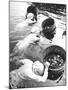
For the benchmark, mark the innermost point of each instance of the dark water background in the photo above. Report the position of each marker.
(53, 8)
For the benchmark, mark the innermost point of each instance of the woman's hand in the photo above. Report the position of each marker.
(46, 64)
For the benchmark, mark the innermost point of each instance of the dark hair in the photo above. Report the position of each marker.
(32, 9)
(48, 26)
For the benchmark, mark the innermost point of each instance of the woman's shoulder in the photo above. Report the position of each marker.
(27, 61)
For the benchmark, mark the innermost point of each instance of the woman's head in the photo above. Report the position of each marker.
(38, 68)
(30, 16)
(33, 10)
(49, 28)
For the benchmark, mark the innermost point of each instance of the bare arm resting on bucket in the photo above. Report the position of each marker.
(39, 78)
(31, 75)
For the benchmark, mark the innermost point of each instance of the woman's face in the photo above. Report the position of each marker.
(30, 16)
(38, 68)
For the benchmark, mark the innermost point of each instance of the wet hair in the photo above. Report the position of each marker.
(49, 28)
(33, 10)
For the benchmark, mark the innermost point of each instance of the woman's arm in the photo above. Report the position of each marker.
(23, 44)
(41, 78)
(23, 24)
